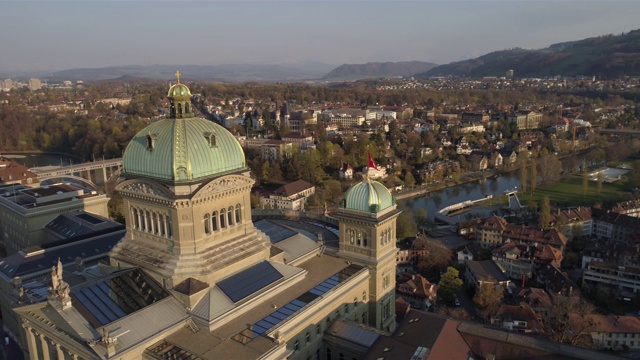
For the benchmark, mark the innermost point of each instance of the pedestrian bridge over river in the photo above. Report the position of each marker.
(95, 173)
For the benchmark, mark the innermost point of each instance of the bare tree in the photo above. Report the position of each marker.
(569, 321)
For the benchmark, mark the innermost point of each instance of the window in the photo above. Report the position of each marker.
(346, 308)
(238, 208)
(207, 224)
(318, 329)
(230, 215)
(214, 221)
(364, 296)
(136, 219)
(328, 354)
(351, 237)
(296, 345)
(222, 218)
(307, 337)
(179, 110)
(359, 242)
(211, 138)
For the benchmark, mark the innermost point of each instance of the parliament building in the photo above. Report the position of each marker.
(195, 278)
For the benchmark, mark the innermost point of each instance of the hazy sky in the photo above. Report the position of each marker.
(54, 35)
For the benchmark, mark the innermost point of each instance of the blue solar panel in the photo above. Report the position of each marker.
(249, 281)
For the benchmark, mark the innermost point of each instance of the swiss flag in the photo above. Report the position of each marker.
(371, 163)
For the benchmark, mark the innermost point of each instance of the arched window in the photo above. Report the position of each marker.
(163, 224)
(136, 219)
(179, 110)
(169, 228)
(154, 223)
(230, 215)
(214, 221)
(238, 218)
(207, 224)
(359, 241)
(222, 219)
(364, 239)
(186, 107)
(147, 221)
(351, 237)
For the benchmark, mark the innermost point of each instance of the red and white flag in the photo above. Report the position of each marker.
(371, 163)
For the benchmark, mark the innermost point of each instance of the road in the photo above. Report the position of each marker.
(11, 352)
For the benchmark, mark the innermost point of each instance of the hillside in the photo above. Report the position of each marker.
(608, 56)
(230, 72)
(377, 69)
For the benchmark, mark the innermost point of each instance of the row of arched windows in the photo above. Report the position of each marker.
(358, 238)
(221, 219)
(152, 222)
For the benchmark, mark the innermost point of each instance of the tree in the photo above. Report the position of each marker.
(545, 213)
(332, 191)
(569, 321)
(421, 216)
(435, 255)
(523, 176)
(488, 298)
(405, 226)
(585, 182)
(550, 167)
(449, 283)
(534, 176)
(409, 180)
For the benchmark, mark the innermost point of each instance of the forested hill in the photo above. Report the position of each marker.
(377, 69)
(608, 56)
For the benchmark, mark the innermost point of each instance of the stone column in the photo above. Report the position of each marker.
(31, 341)
(59, 351)
(45, 346)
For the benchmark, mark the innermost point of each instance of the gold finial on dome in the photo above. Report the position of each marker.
(178, 76)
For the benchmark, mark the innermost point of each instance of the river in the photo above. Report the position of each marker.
(41, 159)
(495, 186)
(470, 191)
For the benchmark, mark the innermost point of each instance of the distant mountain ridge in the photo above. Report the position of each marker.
(229, 72)
(607, 56)
(377, 69)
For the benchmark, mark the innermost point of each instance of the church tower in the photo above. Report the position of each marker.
(367, 221)
(186, 198)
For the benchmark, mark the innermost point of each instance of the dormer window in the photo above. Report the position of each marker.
(151, 141)
(211, 138)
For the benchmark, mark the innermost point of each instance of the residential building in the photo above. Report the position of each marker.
(614, 226)
(612, 332)
(428, 336)
(518, 318)
(275, 150)
(557, 283)
(292, 196)
(12, 172)
(35, 84)
(345, 172)
(416, 291)
(525, 119)
(485, 272)
(618, 280)
(575, 221)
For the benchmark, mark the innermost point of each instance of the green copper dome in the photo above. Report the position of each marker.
(368, 196)
(183, 148)
(179, 90)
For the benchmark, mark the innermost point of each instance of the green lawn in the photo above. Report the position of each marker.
(568, 192)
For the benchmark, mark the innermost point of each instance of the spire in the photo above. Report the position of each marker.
(178, 76)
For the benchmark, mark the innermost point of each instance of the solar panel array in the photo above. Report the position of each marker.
(275, 232)
(283, 312)
(249, 281)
